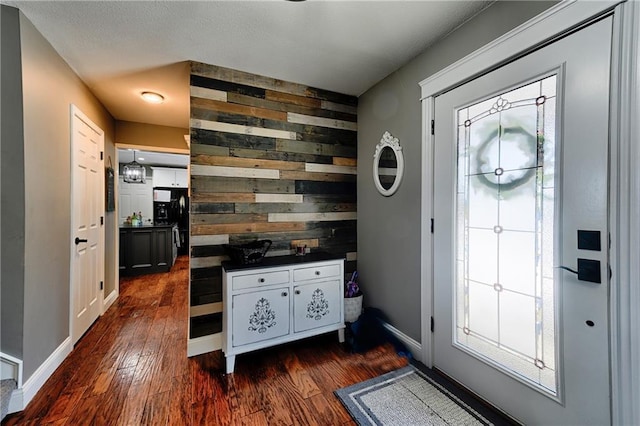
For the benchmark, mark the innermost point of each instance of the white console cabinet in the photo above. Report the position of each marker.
(280, 300)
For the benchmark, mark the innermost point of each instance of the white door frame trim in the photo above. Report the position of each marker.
(624, 207)
(76, 112)
(625, 177)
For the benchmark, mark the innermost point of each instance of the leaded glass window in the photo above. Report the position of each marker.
(504, 289)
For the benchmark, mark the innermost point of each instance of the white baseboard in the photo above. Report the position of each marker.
(37, 379)
(204, 344)
(109, 300)
(414, 347)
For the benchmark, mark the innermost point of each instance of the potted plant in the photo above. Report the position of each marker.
(352, 299)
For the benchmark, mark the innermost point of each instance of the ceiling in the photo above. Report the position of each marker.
(121, 48)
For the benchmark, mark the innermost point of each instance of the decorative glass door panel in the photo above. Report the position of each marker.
(504, 290)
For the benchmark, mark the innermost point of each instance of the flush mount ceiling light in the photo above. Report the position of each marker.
(152, 97)
(134, 172)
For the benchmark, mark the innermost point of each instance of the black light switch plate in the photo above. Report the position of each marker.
(589, 240)
(589, 270)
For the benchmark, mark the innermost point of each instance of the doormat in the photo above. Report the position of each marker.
(409, 396)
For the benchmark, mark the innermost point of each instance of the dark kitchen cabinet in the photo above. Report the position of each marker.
(146, 249)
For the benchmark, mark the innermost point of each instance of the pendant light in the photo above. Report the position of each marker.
(134, 172)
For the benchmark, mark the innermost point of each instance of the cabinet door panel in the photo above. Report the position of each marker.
(141, 248)
(162, 256)
(260, 316)
(164, 178)
(182, 180)
(123, 250)
(317, 304)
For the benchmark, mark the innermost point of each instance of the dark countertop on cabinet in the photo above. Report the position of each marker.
(147, 225)
(275, 261)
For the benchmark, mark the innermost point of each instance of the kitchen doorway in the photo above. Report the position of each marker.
(157, 240)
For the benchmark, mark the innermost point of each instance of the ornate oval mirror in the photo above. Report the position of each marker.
(388, 165)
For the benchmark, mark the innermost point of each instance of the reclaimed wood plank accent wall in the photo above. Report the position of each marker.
(269, 160)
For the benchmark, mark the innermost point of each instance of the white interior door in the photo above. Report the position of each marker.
(87, 231)
(521, 165)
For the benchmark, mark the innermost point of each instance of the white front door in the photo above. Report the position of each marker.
(87, 229)
(521, 166)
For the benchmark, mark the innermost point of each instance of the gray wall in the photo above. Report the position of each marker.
(49, 88)
(12, 185)
(389, 228)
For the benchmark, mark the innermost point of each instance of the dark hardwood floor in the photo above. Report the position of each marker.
(131, 368)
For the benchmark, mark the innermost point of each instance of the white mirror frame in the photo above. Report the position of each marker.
(393, 143)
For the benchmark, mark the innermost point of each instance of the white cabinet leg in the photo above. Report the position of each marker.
(341, 335)
(231, 360)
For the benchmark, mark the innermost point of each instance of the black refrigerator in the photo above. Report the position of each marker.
(171, 206)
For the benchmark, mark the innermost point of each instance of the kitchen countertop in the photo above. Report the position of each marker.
(275, 261)
(147, 225)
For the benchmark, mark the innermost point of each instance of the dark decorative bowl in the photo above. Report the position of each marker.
(245, 254)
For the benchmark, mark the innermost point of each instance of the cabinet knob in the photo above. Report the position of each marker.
(297, 291)
(285, 294)
(317, 272)
(260, 280)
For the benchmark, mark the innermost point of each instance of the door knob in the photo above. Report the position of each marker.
(80, 240)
